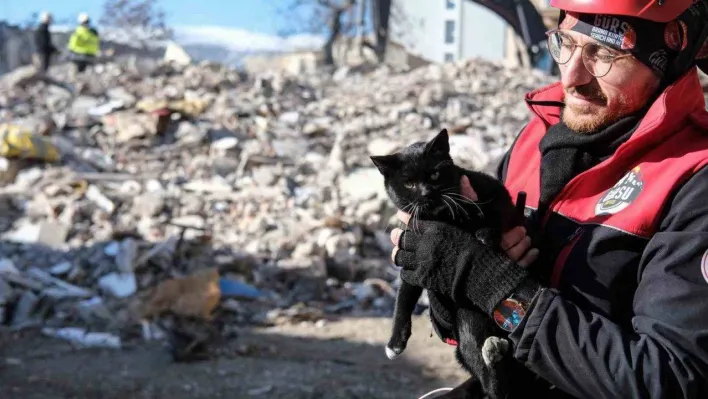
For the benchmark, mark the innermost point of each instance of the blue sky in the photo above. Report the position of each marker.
(259, 16)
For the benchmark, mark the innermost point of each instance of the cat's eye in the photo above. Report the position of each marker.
(409, 186)
(435, 176)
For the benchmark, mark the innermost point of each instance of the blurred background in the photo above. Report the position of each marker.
(391, 31)
(187, 204)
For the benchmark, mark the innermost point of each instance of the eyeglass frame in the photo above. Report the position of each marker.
(549, 33)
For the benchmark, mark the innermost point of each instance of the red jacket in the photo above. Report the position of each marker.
(625, 256)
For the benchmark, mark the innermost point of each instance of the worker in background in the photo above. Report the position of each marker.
(45, 49)
(84, 44)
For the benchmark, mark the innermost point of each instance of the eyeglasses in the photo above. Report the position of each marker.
(597, 59)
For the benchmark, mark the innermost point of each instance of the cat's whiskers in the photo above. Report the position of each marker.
(414, 217)
(404, 209)
(461, 198)
(466, 200)
(457, 205)
(389, 224)
(452, 210)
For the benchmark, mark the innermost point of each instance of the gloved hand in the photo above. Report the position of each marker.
(517, 246)
(452, 262)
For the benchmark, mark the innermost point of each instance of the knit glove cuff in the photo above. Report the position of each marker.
(487, 278)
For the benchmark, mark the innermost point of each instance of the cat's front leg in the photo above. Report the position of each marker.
(406, 300)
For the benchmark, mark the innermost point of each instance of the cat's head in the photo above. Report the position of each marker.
(421, 176)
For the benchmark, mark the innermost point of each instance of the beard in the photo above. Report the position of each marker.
(592, 118)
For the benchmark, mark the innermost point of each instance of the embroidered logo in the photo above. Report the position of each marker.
(659, 59)
(621, 194)
(704, 266)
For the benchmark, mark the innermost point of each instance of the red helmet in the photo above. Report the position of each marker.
(654, 10)
(661, 11)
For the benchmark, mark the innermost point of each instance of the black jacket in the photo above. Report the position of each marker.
(625, 311)
(43, 40)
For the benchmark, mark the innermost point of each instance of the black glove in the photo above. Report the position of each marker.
(452, 262)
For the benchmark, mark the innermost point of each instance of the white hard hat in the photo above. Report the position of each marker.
(83, 18)
(45, 16)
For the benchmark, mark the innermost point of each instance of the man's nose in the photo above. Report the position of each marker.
(574, 73)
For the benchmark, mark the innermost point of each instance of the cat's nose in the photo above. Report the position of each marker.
(424, 191)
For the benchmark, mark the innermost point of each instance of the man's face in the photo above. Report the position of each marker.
(592, 103)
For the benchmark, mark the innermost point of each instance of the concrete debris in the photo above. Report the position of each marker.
(176, 54)
(84, 338)
(193, 193)
(120, 285)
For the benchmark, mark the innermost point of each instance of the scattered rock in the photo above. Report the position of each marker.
(188, 189)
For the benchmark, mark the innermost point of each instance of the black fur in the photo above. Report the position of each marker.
(423, 181)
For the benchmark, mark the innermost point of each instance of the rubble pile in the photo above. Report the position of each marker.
(197, 191)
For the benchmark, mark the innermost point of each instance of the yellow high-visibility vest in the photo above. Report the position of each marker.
(84, 41)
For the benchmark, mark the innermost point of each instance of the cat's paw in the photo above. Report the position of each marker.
(494, 349)
(393, 353)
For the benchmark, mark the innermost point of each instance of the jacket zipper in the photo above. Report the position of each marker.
(566, 248)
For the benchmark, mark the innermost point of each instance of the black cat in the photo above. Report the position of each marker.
(423, 181)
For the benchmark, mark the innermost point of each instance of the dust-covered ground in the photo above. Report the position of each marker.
(342, 359)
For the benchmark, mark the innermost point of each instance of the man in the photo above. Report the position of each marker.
(43, 42)
(614, 303)
(84, 43)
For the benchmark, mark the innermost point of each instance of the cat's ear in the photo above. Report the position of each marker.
(439, 143)
(385, 163)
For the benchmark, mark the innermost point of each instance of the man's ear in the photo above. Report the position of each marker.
(385, 163)
(439, 143)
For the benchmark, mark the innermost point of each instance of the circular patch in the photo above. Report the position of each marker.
(675, 35)
(570, 20)
(622, 194)
(630, 38)
(704, 266)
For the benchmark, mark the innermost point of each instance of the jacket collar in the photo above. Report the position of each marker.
(680, 102)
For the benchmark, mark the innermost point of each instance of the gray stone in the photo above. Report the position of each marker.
(120, 285)
(50, 233)
(265, 176)
(382, 146)
(363, 184)
(148, 204)
(127, 255)
(290, 148)
(24, 309)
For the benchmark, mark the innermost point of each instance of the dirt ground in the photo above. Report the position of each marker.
(342, 359)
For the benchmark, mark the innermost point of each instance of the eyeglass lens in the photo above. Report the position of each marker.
(597, 59)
